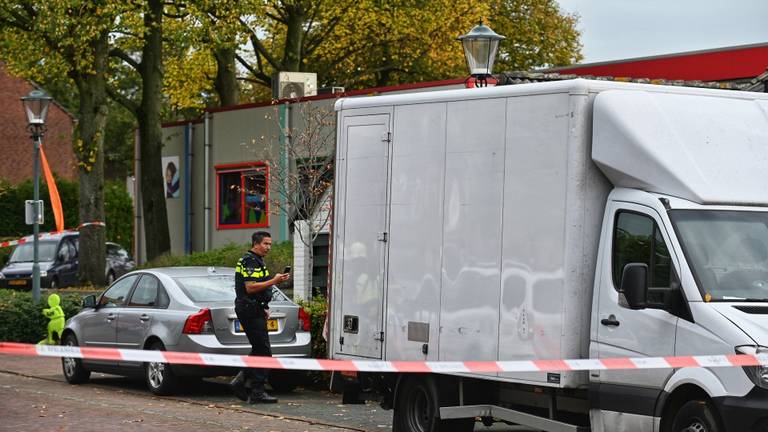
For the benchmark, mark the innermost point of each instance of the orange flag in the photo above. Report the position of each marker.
(58, 213)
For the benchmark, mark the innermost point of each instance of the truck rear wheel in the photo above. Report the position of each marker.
(417, 408)
(696, 416)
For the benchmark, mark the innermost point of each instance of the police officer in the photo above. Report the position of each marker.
(253, 288)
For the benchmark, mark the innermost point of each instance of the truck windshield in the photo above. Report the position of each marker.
(727, 251)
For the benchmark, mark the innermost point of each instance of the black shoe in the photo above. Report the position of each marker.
(238, 387)
(261, 397)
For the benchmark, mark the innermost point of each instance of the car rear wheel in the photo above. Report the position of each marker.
(74, 372)
(160, 378)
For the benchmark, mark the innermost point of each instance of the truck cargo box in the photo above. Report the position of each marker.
(467, 229)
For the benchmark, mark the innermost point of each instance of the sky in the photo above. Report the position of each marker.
(620, 29)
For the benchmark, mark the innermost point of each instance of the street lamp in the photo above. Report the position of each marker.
(480, 47)
(36, 107)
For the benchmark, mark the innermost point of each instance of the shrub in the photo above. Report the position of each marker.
(12, 207)
(317, 308)
(118, 209)
(227, 256)
(22, 321)
(5, 253)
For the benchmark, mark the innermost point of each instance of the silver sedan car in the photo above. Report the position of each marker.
(187, 309)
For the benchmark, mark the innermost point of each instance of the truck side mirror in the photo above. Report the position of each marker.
(89, 302)
(633, 293)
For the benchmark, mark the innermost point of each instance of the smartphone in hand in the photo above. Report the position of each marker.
(287, 270)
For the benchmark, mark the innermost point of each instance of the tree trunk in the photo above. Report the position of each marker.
(150, 135)
(226, 76)
(384, 72)
(293, 39)
(89, 147)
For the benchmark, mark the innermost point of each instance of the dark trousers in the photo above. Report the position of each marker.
(255, 325)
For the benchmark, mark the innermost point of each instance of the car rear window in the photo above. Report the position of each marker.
(215, 288)
(208, 288)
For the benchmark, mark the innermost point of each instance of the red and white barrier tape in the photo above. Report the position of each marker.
(188, 358)
(23, 240)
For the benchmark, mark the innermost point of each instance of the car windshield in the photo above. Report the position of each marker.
(214, 288)
(25, 252)
(727, 251)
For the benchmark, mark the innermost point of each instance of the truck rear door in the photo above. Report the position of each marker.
(365, 141)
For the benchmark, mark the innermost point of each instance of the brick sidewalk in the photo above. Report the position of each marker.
(32, 404)
(35, 397)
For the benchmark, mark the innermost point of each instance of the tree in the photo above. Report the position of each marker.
(222, 33)
(373, 43)
(538, 35)
(63, 38)
(142, 31)
(284, 35)
(302, 187)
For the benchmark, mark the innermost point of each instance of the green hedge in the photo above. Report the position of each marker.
(227, 256)
(317, 310)
(12, 207)
(22, 321)
(118, 209)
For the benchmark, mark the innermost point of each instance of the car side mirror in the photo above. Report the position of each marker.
(89, 302)
(633, 293)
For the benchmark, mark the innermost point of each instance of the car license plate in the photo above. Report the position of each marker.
(271, 326)
(17, 282)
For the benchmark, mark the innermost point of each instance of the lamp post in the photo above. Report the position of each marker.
(36, 107)
(481, 45)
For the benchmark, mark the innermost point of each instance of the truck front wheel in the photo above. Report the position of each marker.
(417, 408)
(696, 416)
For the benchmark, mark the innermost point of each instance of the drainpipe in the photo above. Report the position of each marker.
(287, 167)
(187, 188)
(207, 183)
(138, 251)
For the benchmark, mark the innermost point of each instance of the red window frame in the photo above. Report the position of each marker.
(241, 168)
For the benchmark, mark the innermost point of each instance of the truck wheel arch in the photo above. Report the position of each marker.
(702, 378)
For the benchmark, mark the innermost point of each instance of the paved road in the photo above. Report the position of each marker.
(34, 396)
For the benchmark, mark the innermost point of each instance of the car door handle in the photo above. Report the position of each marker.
(610, 321)
(144, 317)
(110, 317)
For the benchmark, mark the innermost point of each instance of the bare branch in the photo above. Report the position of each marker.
(122, 100)
(259, 47)
(256, 73)
(122, 55)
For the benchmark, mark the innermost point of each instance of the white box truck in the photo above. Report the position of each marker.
(561, 220)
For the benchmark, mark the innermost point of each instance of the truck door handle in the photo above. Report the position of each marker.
(610, 321)
(144, 317)
(110, 317)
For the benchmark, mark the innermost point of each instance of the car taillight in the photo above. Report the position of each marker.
(304, 320)
(200, 322)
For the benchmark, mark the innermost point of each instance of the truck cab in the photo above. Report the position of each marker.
(701, 276)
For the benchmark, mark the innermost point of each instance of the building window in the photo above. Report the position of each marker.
(242, 196)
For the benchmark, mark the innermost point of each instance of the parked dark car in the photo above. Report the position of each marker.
(58, 258)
